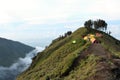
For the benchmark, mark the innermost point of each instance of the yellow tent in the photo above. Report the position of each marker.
(85, 38)
(92, 40)
(91, 36)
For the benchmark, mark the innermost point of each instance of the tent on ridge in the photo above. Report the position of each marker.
(74, 41)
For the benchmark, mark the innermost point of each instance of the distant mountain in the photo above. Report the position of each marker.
(10, 51)
(83, 55)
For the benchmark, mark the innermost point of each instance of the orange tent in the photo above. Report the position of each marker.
(92, 40)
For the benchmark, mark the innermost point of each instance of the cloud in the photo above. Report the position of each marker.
(28, 19)
(44, 11)
(115, 31)
(106, 8)
(10, 73)
(72, 27)
(29, 33)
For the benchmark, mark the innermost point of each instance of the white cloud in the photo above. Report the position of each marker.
(72, 27)
(44, 11)
(106, 8)
(30, 13)
(114, 28)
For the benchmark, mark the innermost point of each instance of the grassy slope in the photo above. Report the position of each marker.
(58, 60)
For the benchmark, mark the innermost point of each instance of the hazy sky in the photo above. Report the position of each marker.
(37, 22)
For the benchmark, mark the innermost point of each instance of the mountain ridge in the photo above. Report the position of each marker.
(81, 60)
(11, 50)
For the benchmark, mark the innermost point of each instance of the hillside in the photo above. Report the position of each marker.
(10, 51)
(73, 58)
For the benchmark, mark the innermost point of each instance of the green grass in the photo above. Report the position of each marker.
(85, 69)
(58, 59)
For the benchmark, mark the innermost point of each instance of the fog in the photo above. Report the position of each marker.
(10, 73)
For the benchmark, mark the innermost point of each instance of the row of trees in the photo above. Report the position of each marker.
(98, 24)
(68, 33)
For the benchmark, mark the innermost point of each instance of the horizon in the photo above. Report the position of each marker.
(38, 22)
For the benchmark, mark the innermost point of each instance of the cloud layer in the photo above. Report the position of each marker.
(10, 73)
(44, 11)
(29, 19)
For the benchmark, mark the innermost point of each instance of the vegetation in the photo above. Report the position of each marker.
(85, 69)
(61, 37)
(98, 24)
(88, 24)
(63, 60)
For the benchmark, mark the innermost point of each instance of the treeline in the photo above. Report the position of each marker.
(68, 33)
(97, 24)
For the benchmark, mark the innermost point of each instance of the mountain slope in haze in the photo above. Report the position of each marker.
(81, 60)
(10, 51)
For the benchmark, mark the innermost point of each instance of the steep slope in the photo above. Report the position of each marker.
(81, 60)
(10, 51)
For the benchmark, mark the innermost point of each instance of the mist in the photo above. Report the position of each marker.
(10, 73)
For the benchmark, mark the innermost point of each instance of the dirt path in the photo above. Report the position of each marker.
(98, 50)
(104, 70)
(95, 49)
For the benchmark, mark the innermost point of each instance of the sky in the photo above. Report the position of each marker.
(38, 22)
